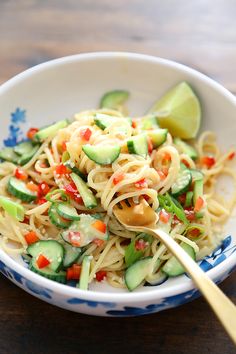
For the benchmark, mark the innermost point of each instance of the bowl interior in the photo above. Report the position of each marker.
(58, 89)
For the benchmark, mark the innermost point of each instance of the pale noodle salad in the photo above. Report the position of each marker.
(59, 186)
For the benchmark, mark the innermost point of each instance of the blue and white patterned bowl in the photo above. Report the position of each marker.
(59, 88)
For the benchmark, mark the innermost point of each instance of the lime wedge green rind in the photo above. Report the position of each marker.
(179, 111)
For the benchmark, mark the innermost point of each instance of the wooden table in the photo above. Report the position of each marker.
(201, 34)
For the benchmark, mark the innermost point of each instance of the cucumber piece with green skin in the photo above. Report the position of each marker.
(67, 211)
(149, 122)
(56, 219)
(114, 99)
(51, 249)
(86, 194)
(48, 273)
(81, 233)
(50, 131)
(19, 190)
(189, 199)
(23, 148)
(28, 156)
(14, 209)
(197, 190)
(182, 183)
(8, 154)
(71, 255)
(103, 121)
(196, 175)
(102, 154)
(173, 267)
(75, 170)
(186, 148)
(84, 276)
(137, 273)
(158, 136)
(138, 145)
(157, 278)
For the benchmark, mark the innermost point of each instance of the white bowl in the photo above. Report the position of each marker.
(59, 88)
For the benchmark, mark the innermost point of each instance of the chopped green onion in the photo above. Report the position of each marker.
(194, 231)
(12, 208)
(131, 252)
(199, 215)
(188, 200)
(56, 191)
(171, 205)
(65, 156)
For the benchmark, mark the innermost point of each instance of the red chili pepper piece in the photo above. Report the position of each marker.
(100, 275)
(31, 133)
(71, 190)
(42, 261)
(43, 189)
(62, 170)
(140, 245)
(21, 174)
(118, 178)
(73, 273)
(31, 237)
(208, 161)
(85, 134)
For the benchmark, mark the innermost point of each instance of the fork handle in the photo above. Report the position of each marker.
(224, 309)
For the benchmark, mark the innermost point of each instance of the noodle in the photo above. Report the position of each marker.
(140, 177)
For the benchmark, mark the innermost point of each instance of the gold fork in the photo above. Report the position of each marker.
(142, 218)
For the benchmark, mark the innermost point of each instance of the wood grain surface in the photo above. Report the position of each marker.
(201, 34)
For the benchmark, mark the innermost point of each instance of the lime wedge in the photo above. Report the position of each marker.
(179, 111)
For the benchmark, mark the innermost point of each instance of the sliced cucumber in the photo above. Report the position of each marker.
(71, 255)
(137, 272)
(114, 99)
(102, 154)
(182, 183)
(197, 190)
(23, 148)
(75, 170)
(173, 267)
(86, 194)
(186, 148)
(156, 278)
(50, 131)
(158, 136)
(103, 121)
(28, 156)
(84, 277)
(14, 209)
(196, 175)
(46, 272)
(56, 219)
(19, 190)
(51, 249)
(138, 145)
(149, 122)
(67, 211)
(8, 154)
(81, 233)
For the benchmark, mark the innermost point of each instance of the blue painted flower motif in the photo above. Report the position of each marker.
(15, 134)
(166, 303)
(77, 301)
(38, 290)
(219, 255)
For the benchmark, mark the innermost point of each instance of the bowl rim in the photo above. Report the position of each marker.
(123, 297)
